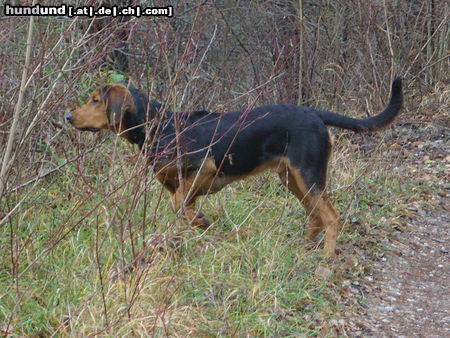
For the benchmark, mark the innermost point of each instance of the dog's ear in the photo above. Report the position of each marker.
(119, 101)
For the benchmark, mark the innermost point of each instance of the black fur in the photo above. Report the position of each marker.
(198, 153)
(241, 141)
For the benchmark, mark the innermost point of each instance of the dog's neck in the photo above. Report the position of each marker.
(135, 122)
(135, 128)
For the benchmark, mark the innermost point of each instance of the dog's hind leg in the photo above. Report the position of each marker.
(329, 217)
(288, 179)
(322, 215)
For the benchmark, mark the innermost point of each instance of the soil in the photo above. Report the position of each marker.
(407, 292)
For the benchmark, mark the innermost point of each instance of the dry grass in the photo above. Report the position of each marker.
(252, 273)
(68, 238)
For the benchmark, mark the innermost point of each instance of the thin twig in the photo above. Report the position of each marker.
(55, 169)
(6, 164)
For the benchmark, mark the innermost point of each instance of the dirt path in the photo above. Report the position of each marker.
(408, 294)
(413, 294)
(411, 299)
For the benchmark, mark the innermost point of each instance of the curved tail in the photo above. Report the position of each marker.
(372, 123)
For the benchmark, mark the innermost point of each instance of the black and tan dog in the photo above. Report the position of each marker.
(198, 153)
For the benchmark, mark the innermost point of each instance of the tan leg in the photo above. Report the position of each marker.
(322, 215)
(185, 196)
(314, 225)
(187, 209)
(328, 216)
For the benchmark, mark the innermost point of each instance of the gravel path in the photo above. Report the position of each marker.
(408, 294)
(413, 298)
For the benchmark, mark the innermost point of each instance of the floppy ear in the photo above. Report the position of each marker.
(118, 101)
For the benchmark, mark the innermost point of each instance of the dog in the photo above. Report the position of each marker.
(198, 153)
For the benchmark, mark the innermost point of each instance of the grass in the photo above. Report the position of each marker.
(251, 274)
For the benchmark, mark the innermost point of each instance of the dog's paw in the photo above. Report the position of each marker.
(201, 221)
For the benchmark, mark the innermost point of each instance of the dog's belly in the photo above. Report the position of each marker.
(222, 180)
(217, 184)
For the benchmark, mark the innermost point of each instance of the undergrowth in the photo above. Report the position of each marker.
(97, 249)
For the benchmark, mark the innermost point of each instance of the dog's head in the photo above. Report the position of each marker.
(105, 109)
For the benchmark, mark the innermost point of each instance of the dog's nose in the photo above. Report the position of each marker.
(69, 118)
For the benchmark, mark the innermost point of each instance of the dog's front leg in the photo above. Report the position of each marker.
(186, 207)
(184, 197)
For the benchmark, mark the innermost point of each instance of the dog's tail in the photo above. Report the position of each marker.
(372, 123)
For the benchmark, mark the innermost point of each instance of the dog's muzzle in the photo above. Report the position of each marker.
(69, 119)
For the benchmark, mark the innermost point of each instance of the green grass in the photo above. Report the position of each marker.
(252, 273)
